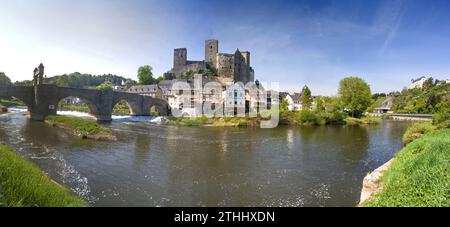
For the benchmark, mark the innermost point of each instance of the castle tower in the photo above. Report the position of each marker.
(246, 56)
(211, 49)
(179, 58)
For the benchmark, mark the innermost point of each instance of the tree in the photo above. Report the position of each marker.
(145, 75)
(355, 95)
(4, 80)
(306, 98)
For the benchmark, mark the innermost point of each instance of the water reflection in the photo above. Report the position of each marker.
(157, 165)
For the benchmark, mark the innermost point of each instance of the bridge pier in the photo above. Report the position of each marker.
(42, 99)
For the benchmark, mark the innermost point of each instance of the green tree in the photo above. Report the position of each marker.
(4, 80)
(145, 75)
(306, 98)
(355, 95)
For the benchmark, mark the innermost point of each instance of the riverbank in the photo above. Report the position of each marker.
(417, 176)
(305, 119)
(23, 184)
(81, 127)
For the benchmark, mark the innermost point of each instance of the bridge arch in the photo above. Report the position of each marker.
(93, 109)
(24, 94)
(159, 106)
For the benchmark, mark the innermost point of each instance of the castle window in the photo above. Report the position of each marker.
(211, 47)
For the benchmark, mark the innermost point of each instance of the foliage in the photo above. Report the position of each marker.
(419, 175)
(4, 80)
(104, 87)
(82, 126)
(431, 99)
(416, 131)
(355, 95)
(306, 98)
(362, 120)
(24, 184)
(11, 102)
(145, 75)
(308, 117)
(78, 80)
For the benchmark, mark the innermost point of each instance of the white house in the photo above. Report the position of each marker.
(234, 102)
(418, 83)
(286, 96)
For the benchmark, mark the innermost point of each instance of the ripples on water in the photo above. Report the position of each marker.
(158, 165)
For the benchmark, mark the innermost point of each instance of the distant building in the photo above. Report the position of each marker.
(297, 99)
(228, 67)
(418, 83)
(152, 90)
(286, 96)
(386, 106)
(234, 102)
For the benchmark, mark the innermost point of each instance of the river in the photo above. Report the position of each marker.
(159, 165)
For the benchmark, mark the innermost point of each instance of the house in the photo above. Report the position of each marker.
(297, 99)
(234, 99)
(418, 83)
(286, 96)
(385, 106)
(152, 90)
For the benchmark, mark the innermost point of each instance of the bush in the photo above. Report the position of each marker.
(441, 117)
(308, 117)
(104, 87)
(416, 131)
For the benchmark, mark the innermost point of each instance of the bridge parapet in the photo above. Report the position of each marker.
(42, 99)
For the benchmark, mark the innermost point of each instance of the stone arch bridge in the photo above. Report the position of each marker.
(42, 100)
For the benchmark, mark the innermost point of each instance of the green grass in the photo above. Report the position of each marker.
(24, 184)
(419, 175)
(85, 109)
(80, 125)
(362, 121)
(216, 121)
(416, 131)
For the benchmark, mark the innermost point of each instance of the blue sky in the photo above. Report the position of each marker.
(291, 42)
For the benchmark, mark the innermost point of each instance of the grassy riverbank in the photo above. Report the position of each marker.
(215, 122)
(82, 127)
(419, 174)
(24, 184)
(297, 118)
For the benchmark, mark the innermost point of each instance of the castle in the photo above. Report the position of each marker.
(228, 68)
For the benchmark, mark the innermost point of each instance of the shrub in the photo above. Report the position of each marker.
(416, 131)
(308, 117)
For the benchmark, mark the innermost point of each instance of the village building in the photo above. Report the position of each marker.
(418, 83)
(386, 106)
(286, 96)
(151, 90)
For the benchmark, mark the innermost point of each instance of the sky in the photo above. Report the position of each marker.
(294, 43)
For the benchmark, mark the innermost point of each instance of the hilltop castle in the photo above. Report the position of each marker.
(227, 67)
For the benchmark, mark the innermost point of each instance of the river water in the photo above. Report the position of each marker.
(159, 165)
